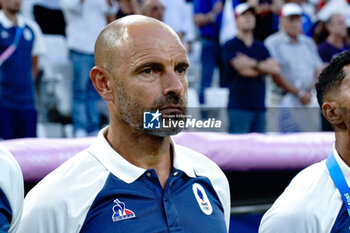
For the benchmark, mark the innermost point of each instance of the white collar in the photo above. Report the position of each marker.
(343, 166)
(8, 23)
(123, 169)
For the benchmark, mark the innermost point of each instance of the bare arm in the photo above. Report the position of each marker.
(268, 66)
(245, 66)
(35, 67)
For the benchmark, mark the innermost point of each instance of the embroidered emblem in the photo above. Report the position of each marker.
(4, 34)
(202, 199)
(27, 34)
(120, 213)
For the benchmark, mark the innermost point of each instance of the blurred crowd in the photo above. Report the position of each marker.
(264, 55)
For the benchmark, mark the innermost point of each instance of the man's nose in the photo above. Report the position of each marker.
(172, 83)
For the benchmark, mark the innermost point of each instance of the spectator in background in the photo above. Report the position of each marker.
(11, 192)
(207, 16)
(266, 17)
(177, 17)
(153, 8)
(305, 17)
(336, 40)
(20, 44)
(49, 16)
(128, 7)
(300, 64)
(334, 44)
(246, 62)
(85, 19)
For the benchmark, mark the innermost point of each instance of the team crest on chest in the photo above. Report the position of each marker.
(202, 199)
(4, 34)
(120, 212)
(28, 36)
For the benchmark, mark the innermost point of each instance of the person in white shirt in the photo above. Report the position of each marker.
(11, 192)
(314, 201)
(85, 19)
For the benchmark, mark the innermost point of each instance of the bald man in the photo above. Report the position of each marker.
(133, 179)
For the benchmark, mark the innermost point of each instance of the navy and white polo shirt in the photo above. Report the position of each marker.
(99, 191)
(310, 204)
(11, 192)
(16, 80)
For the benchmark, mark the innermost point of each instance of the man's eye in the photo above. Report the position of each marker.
(148, 71)
(181, 70)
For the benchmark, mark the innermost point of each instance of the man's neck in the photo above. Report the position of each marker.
(246, 36)
(342, 144)
(336, 41)
(11, 16)
(142, 150)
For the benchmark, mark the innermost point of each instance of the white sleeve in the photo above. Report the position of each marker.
(11, 183)
(281, 220)
(60, 202)
(38, 46)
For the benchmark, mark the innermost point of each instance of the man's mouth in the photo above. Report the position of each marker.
(174, 109)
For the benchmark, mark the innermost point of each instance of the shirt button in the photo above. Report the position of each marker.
(148, 174)
(175, 173)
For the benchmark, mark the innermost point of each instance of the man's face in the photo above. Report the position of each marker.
(246, 21)
(337, 26)
(292, 25)
(343, 97)
(12, 6)
(154, 9)
(151, 76)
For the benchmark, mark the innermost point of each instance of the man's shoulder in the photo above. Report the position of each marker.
(62, 199)
(323, 45)
(201, 163)
(275, 37)
(9, 164)
(305, 205)
(69, 177)
(306, 39)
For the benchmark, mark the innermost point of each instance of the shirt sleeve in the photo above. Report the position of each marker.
(282, 220)
(11, 192)
(273, 49)
(38, 44)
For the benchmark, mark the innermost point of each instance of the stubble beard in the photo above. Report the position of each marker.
(131, 112)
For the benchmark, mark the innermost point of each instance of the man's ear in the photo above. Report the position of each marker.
(101, 80)
(332, 112)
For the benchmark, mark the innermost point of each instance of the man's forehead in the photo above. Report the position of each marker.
(151, 36)
(150, 30)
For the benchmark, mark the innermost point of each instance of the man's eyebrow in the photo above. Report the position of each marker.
(154, 65)
(182, 65)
